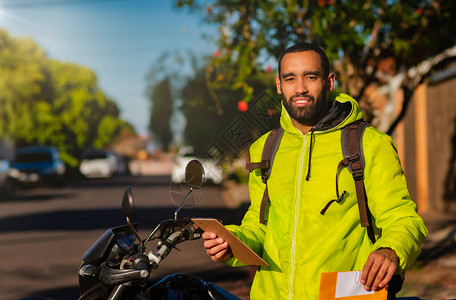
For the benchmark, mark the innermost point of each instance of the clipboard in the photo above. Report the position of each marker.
(239, 249)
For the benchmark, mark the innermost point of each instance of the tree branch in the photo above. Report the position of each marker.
(415, 76)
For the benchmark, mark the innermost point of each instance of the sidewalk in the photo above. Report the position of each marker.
(434, 276)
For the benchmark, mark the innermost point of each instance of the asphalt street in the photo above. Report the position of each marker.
(45, 231)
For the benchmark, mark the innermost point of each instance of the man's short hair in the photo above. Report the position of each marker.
(301, 47)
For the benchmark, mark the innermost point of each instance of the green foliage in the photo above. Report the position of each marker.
(210, 109)
(110, 126)
(47, 102)
(208, 105)
(203, 115)
(162, 110)
(356, 34)
(21, 65)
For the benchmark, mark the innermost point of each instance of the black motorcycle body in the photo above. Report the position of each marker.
(117, 266)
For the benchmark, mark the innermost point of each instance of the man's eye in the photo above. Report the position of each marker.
(288, 79)
(311, 77)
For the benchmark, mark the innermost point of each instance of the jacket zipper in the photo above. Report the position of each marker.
(295, 223)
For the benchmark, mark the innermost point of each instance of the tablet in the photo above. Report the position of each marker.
(239, 249)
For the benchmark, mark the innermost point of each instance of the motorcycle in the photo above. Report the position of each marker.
(118, 266)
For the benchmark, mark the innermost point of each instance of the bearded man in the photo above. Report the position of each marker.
(296, 239)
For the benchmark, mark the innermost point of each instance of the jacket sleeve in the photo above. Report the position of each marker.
(251, 231)
(389, 201)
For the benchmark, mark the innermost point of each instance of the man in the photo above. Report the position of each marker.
(299, 242)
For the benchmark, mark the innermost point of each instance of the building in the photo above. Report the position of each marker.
(426, 142)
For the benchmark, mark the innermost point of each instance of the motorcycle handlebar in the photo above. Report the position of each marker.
(185, 226)
(141, 262)
(171, 233)
(193, 232)
(113, 276)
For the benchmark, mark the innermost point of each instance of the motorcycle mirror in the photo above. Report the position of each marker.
(128, 205)
(194, 174)
(194, 177)
(129, 210)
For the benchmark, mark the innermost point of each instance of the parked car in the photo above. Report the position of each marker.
(99, 164)
(38, 164)
(213, 170)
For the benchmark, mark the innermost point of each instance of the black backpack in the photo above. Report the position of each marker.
(352, 150)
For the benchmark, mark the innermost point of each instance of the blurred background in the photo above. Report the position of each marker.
(99, 94)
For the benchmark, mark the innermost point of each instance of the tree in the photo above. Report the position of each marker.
(199, 97)
(377, 42)
(162, 110)
(203, 115)
(47, 102)
(24, 76)
(210, 109)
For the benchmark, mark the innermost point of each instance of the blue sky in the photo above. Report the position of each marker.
(119, 40)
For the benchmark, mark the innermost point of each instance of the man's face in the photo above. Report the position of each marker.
(303, 87)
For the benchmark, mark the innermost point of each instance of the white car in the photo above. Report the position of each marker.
(212, 170)
(101, 164)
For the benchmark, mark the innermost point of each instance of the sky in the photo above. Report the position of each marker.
(120, 40)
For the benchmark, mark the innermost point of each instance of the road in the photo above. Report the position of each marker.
(45, 231)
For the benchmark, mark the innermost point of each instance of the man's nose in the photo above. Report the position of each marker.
(301, 86)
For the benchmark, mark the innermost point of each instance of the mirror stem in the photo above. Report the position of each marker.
(135, 233)
(151, 234)
(180, 205)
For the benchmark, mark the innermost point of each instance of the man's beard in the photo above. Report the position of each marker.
(310, 114)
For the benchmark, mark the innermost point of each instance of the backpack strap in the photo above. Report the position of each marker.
(352, 150)
(267, 158)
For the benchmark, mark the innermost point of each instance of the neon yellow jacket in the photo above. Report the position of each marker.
(297, 241)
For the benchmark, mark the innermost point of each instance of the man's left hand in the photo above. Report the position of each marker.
(379, 269)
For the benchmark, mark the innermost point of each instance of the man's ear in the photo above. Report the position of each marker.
(330, 81)
(279, 90)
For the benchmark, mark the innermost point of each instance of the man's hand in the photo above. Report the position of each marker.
(216, 247)
(379, 269)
